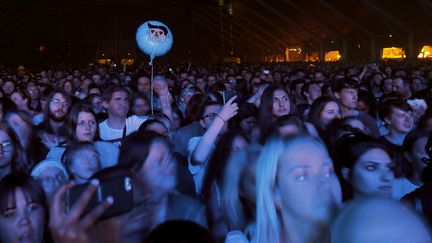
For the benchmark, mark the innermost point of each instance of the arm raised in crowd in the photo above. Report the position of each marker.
(160, 86)
(71, 227)
(204, 146)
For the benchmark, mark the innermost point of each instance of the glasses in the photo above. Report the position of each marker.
(59, 102)
(85, 124)
(6, 146)
(212, 116)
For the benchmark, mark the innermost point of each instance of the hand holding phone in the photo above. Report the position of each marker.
(115, 184)
(74, 226)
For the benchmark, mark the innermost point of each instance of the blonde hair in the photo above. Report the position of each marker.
(269, 225)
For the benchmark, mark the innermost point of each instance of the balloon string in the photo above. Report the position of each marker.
(151, 91)
(151, 81)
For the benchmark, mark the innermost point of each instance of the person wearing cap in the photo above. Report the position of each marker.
(52, 175)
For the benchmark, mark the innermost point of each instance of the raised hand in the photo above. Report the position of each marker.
(160, 86)
(229, 109)
(71, 227)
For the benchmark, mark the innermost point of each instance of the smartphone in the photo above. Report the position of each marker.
(118, 187)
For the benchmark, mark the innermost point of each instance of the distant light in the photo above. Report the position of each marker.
(358, 45)
(390, 35)
(129, 54)
(332, 42)
(230, 9)
(103, 54)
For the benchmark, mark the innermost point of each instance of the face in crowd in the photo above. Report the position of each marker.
(281, 103)
(348, 98)
(58, 107)
(86, 127)
(118, 105)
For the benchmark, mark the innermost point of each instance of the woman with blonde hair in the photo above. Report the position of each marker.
(297, 191)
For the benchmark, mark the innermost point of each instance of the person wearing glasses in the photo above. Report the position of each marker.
(53, 127)
(414, 151)
(34, 95)
(83, 127)
(214, 119)
(12, 156)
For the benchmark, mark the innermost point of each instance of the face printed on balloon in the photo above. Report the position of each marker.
(157, 33)
(154, 38)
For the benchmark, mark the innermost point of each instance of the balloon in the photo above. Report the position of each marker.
(154, 39)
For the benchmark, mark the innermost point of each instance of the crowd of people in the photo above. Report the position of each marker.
(282, 152)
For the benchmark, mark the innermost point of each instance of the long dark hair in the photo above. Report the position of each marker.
(218, 160)
(410, 139)
(135, 148)
(33, 147)
(32, 190)
(49, 98)
(314, 116)
(20, 162)
(346, 152)
(265, 113)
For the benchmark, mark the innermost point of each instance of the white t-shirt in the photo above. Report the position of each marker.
(107, 133)
(401, 187)
(198, 171)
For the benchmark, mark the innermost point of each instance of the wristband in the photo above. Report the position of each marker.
(221, 118)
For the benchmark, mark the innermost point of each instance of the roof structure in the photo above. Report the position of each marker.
(208, 30)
